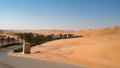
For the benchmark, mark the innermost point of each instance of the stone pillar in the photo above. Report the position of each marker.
(26, 48)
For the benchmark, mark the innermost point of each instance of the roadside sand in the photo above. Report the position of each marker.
(98, 48)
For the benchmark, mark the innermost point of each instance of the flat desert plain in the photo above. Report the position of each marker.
(98, 48)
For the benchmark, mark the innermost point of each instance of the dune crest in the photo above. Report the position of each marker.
(98, 48)
(99, 31)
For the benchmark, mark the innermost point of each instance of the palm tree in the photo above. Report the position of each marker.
(70, 35)
(53, 36)
(13, 40)
(8, 39)
(2, 40)
(49, 37)
(18, 39)
(60, 36)
(65, 35)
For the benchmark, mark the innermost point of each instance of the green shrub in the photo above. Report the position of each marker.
(33, 44)
(18, 50)
(8, 45)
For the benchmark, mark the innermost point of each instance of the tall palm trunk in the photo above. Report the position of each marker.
(18, 39)
(13, 40)
(2, 40)
(8, 40)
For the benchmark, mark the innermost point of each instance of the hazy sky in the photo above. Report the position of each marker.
(58, 14)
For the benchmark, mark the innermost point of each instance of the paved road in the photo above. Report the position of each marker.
(20, 62)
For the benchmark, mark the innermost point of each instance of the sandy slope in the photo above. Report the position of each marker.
(99, 48)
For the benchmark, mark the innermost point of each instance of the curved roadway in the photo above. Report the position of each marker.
(7, 61)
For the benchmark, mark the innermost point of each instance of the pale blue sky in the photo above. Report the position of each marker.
(59, 14)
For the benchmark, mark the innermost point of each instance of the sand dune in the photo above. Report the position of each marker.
(99, 31)
(46, 32)
(99, 48)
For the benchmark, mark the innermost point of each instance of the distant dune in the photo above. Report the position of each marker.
(49, 31)
(99, 31)
(87, 32)
(98, 48)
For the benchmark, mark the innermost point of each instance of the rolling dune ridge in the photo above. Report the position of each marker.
(98, 48)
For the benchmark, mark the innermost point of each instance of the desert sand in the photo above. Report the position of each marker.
(98, 48)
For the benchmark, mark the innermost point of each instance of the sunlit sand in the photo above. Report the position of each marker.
(99, 48)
